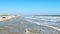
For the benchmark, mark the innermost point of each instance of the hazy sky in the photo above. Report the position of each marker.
(30, 7)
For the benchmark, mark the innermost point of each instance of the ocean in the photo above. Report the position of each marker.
(31, 25)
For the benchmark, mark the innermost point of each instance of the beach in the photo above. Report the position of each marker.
(30, 25)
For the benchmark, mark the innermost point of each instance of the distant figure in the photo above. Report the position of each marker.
(3, 17)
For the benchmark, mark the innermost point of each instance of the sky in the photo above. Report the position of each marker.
(30, 7)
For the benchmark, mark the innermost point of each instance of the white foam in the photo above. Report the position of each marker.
(44, 24)
(27, 31)
(52, 19)
(53, 27)
(33, 22)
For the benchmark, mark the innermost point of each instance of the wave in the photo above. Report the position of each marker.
(31, 19)
(46, 19)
